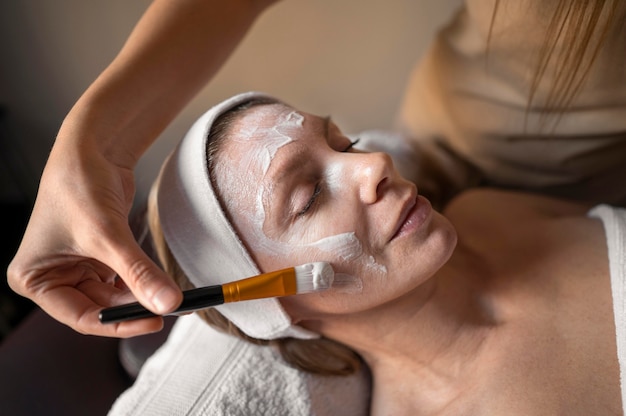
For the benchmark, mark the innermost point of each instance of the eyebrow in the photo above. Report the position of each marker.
(295, 162)
(291, 166)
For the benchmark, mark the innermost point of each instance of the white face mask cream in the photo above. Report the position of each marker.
(200, 233)
(262, 143)
(346, 283)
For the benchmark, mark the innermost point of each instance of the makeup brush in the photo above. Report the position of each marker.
(307, 278)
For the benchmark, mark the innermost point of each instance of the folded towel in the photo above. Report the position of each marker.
(614, 220)
(200, 371)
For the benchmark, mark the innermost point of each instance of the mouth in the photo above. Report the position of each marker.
(414, 214)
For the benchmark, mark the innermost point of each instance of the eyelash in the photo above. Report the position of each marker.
(351, 145)
(318, 188)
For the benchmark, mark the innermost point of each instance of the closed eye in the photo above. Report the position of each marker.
(318, 187)
(309, 204)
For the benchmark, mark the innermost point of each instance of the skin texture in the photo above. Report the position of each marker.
(357, 244)
(481, 311)
(78, 236)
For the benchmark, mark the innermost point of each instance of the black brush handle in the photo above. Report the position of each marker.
(193, 300)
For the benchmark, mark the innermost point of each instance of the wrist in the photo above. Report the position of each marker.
(103, 124)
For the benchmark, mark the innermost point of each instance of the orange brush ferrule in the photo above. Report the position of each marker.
(268, 285)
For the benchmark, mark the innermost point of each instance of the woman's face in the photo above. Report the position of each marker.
(296, 192)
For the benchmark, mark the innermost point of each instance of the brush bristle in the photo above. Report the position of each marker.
(313, 277)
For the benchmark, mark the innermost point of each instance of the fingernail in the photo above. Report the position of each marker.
(165, 299)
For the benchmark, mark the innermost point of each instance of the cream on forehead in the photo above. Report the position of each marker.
(265, 131)
(262, 131)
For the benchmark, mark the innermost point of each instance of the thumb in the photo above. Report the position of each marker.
(152, 287)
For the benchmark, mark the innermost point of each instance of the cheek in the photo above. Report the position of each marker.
(352, 265)
(337, 250)
(353, 296)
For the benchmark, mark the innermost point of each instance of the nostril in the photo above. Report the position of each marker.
(380, 188)
(372, 192)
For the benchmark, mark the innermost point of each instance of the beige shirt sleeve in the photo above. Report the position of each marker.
(466, 105)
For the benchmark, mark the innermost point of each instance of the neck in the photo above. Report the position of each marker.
(432, 338)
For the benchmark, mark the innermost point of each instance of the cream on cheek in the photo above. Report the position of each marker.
(346, 245)
(262, 143)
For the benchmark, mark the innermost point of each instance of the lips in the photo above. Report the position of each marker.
(413, 215)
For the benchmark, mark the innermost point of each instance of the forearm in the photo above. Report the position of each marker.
(78, 238)
(176, 47)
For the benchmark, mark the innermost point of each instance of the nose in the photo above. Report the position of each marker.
(374, 173)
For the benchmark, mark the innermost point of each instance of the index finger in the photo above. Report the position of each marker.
(77, 310)
(152, 287)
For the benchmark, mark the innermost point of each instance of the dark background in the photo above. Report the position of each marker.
(15, 208)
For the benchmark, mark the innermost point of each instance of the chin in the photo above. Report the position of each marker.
(437, 248)
(444, 231)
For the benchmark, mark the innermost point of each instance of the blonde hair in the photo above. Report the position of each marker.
(319, 356)
(581, 27)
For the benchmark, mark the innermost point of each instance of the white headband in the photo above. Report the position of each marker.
(202, 239)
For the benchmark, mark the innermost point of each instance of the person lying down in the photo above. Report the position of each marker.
(502, 301)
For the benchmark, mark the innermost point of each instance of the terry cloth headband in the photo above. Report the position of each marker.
(201, 238)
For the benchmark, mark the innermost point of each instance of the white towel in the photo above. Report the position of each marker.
(614, 220)
(200, 371)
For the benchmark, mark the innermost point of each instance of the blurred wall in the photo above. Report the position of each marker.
(348, 58)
